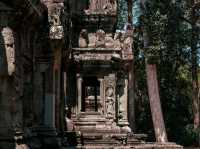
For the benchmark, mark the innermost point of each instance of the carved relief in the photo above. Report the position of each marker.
(120, 88)
(110, 101)
(102, 7)
(121, 91)
(56, 28)
(92, 40)
(110, 7)
(100, 39)
(83, 39)
(110, 96)
(109, 41)
(8, 37)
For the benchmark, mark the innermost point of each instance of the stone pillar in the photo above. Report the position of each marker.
(56, 83)
(122, 98)
(47, 104)
(101, 105)
(10, 102)
(79, 93)
(110, 97)
(131, 100)
(56, 35)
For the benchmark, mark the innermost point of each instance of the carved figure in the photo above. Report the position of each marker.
(110, 101)
(109, 42)
(92, 40)
(92, 7)
(110, 7)
(102, 7)
(100, 39)
(8, 37)
(126, 44)
(83, 39)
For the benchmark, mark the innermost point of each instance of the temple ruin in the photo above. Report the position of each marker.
(66, 77)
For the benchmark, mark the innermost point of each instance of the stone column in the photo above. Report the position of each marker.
(122, 98)
(56, 83)
(101, 107)
(79, 93)
(131, 100)
(110, 97)
(10, 103)
(56, 35)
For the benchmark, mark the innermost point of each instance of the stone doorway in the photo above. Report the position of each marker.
(90, 94)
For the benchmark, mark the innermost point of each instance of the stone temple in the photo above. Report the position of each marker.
(66, 76)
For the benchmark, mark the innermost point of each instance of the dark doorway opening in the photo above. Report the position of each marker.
(90, 93)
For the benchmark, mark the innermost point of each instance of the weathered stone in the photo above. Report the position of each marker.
(83, 39)
(102, 7)
(9, 44)
(66, 56)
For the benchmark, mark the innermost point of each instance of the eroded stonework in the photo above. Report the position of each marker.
(65, 75)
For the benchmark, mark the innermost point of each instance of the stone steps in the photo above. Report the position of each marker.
(141, 146)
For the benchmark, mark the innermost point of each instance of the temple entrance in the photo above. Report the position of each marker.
(90, 94)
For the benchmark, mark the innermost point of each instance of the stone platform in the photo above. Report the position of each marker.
(141, 146)
(115, 141)
(94, 131)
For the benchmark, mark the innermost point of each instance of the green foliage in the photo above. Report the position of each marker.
(122, 17)
(190, 136)
(169, 46)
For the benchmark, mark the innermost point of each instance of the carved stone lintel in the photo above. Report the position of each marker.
(100, 39)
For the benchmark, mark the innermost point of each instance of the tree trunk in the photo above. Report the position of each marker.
(195, 86)
(156, 110)
(153, 91)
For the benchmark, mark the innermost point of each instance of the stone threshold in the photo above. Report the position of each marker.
(140, 146)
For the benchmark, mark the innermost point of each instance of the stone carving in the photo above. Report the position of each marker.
(8, 37)
(109, 41)
(100, 39)
(120, 89)
(110, 103)
(122, 100)
(94, 56)
(83, 39)
(56, 28)
(102, 7)
(110, 96)
(110, 7)
(92, 40)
